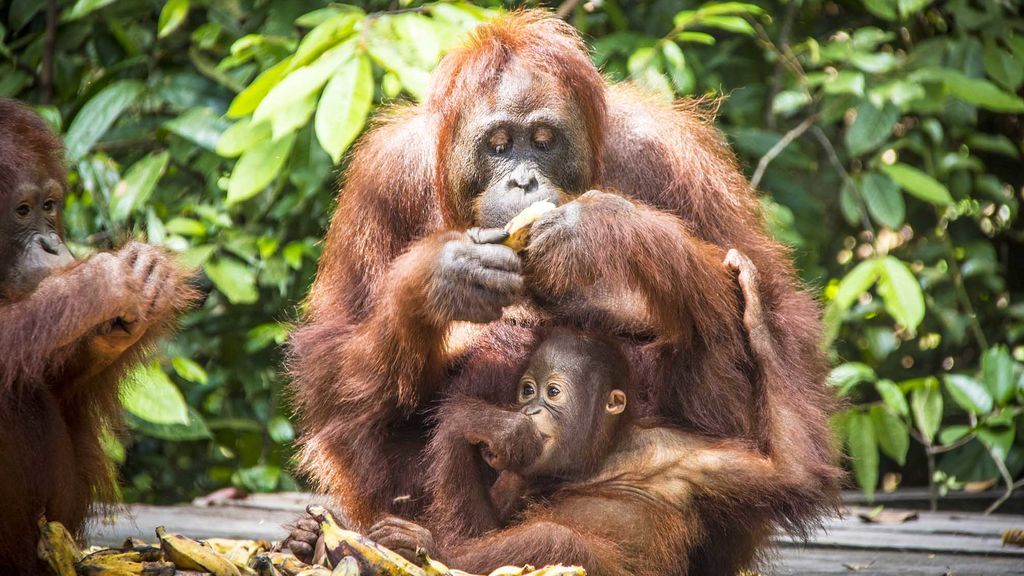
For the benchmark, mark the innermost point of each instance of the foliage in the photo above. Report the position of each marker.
(886, 135)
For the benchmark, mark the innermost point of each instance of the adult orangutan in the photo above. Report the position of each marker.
(410, 299)
(584, 482)
(68, 332)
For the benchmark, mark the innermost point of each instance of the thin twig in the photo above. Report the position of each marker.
(833, 157)
(779, 146)
(961, 292)
(49, 45)
(1007, 479)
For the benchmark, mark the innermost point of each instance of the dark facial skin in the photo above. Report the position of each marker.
(575, 403)
(31, 234)
(524, 145)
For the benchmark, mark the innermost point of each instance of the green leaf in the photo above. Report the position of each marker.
(856, 282)
(261, 478)
(189, 370)
(975, 91)
(172, 16)
(901, 291)
(845, 377)
(194, 429)
(134, 190)
(247, 100)
(951, 434)
(234, 279)
(344, 106)
(98, 114)
(871, 128)
(893, 397)
(918, 184)
(185, 226)
(846, 82)
(863, 451)
(200, 126)
(789, 101)
(325, 36)
(151, 396)
(883, 199)
(968, 393)
(926, 406)
(257, 168)
(302, 82)
(280, 430)
(998, 436)
(885, 9)
(241, 136)
(83, 8)
(892, 434)
(1002, 67)
(997, 373)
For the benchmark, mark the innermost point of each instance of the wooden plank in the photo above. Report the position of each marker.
(794, 561)
(140, 521)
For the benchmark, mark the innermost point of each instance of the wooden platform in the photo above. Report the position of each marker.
(934, 544)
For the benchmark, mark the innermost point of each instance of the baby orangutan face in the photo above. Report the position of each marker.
(571, 390)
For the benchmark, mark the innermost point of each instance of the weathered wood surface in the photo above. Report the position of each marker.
(935, 544)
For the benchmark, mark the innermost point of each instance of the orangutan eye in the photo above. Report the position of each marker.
(553, 392)
(528, 390)
(23, 210)
(499, 141)
(542, 138)
(49, 205)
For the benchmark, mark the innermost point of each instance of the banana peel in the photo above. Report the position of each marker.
(57, 548)
(430, 566)
(371, 557)
(346, 567)
(189, 554)
(519, 227)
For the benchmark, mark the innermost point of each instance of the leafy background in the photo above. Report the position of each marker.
(885, 134)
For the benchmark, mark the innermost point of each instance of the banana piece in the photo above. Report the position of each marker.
(57, 548)
(188, 554)
(286, 564)
(316, 571)
(512, 570)
(518, 227)
(430, 566)
(372, 557)
(559, 570)
(346, 567)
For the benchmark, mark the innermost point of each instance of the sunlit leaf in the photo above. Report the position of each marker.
(151, 396)
(241, 136)
(280, 430)
(926, 406)
(325, 37)
(893, 397)
(918, 184)
(344, 106)
(134, 190)
(172, 16)
(83, 8)
(189, 370)
(901, 292)
(302, 82)
(257, 168)
(970, 394)
(997, 374)
(98, 114)
(234, 279)
(846, 376)
(247, 100)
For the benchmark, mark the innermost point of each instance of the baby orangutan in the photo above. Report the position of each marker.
(581, 482)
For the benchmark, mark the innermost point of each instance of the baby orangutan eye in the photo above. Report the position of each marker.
(553, 392)
(528, 390)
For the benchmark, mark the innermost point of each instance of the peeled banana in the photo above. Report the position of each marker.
(57, 548)
(346, 567)
(372, 557)
(188, 554)
(519, 227)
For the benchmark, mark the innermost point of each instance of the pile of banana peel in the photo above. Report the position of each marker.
(344, 553)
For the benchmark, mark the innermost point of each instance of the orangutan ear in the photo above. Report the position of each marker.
(616, 402)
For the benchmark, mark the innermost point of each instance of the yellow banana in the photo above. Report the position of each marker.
(519, 226)
(371, 556)
(559, 570)
(286, 564)
(430, 566)
(57, 548)
(316, 571)
(347, 566)
(188, 554)
(512, 570)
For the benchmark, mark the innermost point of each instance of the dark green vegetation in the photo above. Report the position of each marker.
(886, 135)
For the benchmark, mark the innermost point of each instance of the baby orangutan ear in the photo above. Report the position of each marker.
(616, 402)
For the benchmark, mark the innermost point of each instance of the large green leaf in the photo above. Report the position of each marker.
(892, 434)
(970, 394)
(901, 292)
(241, 136)
(997, 374)
(151, 396)
(98, 114)
(860, 437)
(172, 16)
(139, 181)
(257, 168)
(871, 128)
(302, 82)
(326, 36)
(344, 105)
(918, 183)
(926, 406)
(234, 279)
(247, 100)
(884, 200)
